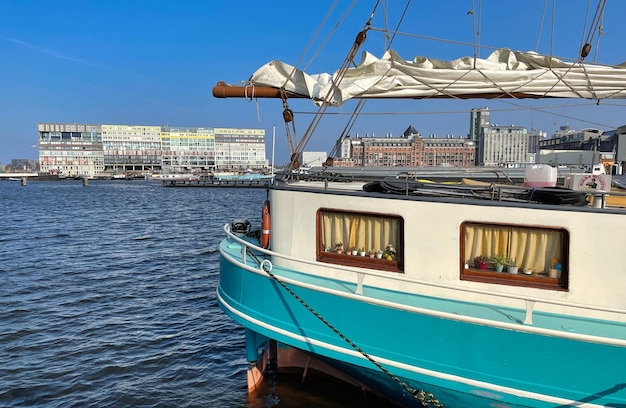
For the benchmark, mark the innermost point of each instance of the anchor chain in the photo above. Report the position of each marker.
(426, 399)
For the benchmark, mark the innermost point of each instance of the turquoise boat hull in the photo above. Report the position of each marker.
(458, 362)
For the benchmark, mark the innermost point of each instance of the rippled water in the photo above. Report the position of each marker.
(107, 298)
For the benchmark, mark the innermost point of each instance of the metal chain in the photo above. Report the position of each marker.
(426, 399)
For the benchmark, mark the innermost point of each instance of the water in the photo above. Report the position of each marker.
(107, 299)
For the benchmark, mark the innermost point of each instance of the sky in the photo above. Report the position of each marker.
(154, 62)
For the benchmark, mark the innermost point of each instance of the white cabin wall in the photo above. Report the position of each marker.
(432, 252)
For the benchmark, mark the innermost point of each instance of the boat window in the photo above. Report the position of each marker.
(365, 240)
(515, 255)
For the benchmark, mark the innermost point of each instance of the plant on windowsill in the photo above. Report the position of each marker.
(481, 262)
(339, 247)
(371, 253)
(511, 265)
(500, 261)
(379, 253)
(389, 252)
(361, 251)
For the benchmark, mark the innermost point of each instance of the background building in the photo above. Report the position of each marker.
(449, 152)
(26, 165)
(70, 149)
(135, 149)
(498, 145)
(240, 149)
(187, 149)
(479, 119)
(503, 146)
(585, 148)
(78, 150)
(406, 150)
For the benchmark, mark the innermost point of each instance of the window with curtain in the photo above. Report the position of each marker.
(375, 239)
(540, 254)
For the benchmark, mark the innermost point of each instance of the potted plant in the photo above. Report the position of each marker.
(379, 253)
(512, 266)
(500, 261)
(353, 251)
(371, 253)
(339, 247)
(390, 252)
(361, 251)
(481, 262)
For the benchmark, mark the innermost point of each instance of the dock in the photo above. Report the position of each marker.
(250, 183)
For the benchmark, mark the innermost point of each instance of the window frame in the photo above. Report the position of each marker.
(330, 256)
(539, 280)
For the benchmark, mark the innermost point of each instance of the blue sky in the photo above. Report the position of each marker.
(154, 62)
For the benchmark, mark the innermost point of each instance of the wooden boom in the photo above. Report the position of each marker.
(224, 90)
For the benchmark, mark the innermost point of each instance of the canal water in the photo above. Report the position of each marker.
(107, 299)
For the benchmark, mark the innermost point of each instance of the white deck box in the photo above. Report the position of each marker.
(588, 182)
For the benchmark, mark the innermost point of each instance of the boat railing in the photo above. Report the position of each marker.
(409, 184)
(250, 258)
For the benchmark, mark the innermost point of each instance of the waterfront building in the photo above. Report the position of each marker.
(131, 149)
(566, 138)
(240, 149)
(503, 146)
(498, 145)
(73, 150)
(409, 150)
(534, 138)
(480, 118)
(586, 147)
(70, 149)
(28, 165)
(388, 151)
(449, 152)
(187, 149)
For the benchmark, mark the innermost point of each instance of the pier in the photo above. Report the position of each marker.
(249, 183)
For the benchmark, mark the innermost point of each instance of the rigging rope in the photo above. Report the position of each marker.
(360, 38)
(543, 15)
(426, 399)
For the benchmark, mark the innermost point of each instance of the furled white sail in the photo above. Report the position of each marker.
(505, 73)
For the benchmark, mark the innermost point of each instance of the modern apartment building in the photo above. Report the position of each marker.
(131, 148)
(185, 149)
(70, 149)
(240, 149)
(77, 150)
(479, 119)
(503, 146)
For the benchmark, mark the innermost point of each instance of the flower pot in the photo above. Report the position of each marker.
(340, 251)
(379, 256)
(482, 265)
(499, 267)
(354, 252)
(512, 270)
(372, 255)
(361, 253)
